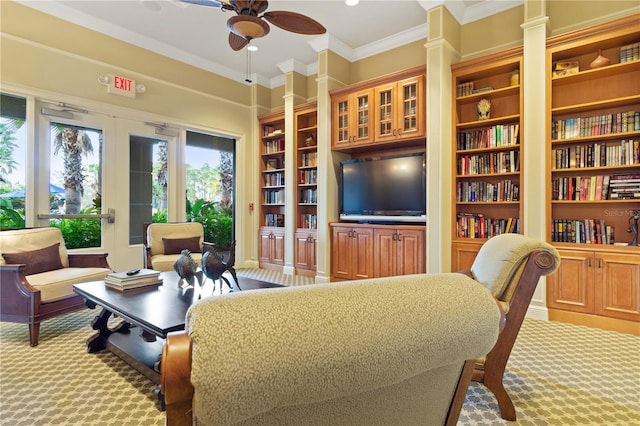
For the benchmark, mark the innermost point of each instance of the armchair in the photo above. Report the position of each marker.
(37, 276)
(164, 241)
(510, 266)
(385, 351)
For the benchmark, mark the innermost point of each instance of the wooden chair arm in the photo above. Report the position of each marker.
(88, 260)
(17, 294)
(175, 379)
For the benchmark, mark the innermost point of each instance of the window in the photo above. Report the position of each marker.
(13, 147)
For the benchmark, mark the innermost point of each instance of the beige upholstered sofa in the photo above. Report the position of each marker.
(37, 276)
(387, 351)
(165, 241)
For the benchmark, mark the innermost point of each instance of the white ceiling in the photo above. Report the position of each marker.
(197, 35)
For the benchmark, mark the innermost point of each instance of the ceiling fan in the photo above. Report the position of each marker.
(249, 22)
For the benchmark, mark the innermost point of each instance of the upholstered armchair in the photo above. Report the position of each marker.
(510, 266)
(164, 242)
(386, 351)
(37, 276)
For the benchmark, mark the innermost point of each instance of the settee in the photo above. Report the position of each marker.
(386, 351)
(37, 275)
(163, 243)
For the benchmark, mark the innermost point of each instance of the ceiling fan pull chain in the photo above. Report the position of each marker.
(248, 80)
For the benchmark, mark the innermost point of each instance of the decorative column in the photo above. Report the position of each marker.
(535, 29)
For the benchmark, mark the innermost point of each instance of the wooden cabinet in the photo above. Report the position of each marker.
(305, 253)
(370, 251)
(352, 117)
(383, 113)
(272, 190)
(271, 248)
(398, 251)
(306, 127)
(399, 110)
(351, 252)
(593, 169)
(487, 150)
(464, 253)
(596, 284)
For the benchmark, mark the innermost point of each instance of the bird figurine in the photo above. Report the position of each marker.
(214, 266)
(187, 268)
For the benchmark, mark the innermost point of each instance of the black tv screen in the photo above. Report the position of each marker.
(384, 188)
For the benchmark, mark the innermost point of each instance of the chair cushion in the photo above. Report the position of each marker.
(58, 284)
(157, 231)
(29, 239)
(176, 245)
(164, 262)
(36, 261)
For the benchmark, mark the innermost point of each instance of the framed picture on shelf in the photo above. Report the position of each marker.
(272, 164)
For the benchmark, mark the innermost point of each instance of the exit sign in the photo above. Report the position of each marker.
(120, 85)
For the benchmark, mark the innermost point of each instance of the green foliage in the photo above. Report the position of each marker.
(10, 218)
(80, 233)
(159, 216)
(216, 220)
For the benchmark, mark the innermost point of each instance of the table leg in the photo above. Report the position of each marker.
(98, 341)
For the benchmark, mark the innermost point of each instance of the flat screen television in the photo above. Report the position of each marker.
(384, 189)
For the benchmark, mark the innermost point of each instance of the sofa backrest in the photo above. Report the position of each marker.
(157, 231)
(379, 351)
(501, 260)
(32, 239)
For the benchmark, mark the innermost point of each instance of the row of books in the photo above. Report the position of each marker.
(604, 124)
(624, 153)
(490, 137)
(273, 179)
(276, 145)
(308, 221)
(466, 89)
(630, 52)
(274, 196)
(274, 219)
(143, 278)
(470, 225)
(599, 187)
(495, 162)
(308, 159)
(505, 190)
(308, 196)
(586, 231)
(308, 177)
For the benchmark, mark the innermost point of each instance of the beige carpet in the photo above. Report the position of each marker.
(558, 374)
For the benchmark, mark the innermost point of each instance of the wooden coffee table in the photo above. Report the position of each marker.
(147, 315)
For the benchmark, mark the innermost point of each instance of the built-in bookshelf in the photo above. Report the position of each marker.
(306, 127)
(593, 137)
(487, 123)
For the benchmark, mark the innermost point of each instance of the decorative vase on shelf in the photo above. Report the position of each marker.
(600, 61)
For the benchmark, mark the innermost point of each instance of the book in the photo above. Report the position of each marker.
(122, 277)
(133, 285)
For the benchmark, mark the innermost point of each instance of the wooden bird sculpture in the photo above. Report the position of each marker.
(187, 268)
(214, 266)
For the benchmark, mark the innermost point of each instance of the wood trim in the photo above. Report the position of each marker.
(595, 321)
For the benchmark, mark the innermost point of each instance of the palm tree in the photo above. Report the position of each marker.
(162, 176)
(7, 146)
(74, 143)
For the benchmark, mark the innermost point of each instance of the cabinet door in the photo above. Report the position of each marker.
(362, 253)
(301, 250)
(340, 121)
(618, 285)
(361, 117)
(277, 248)
(264, 255)
(386, 115)
(341, 242)
(410, 252)
(571, 287)
(385, 258)
(409, 111)
(463, 255)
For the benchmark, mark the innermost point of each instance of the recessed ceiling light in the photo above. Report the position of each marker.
(351, 2)
(252, 48)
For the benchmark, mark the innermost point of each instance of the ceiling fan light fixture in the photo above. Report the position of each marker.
(247, 26)
(351, 2)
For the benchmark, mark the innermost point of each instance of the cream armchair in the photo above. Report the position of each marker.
(165, 241)
(387, 351)
(37, 276)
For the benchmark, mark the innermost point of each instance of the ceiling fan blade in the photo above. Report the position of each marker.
(210, 3)
(236, 42)
(294, 22)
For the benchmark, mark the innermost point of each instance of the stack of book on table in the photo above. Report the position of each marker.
(122, 281)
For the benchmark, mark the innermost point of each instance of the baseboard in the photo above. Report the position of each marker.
(288, 270)
(538, 313)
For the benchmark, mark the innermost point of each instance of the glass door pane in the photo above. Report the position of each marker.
(13, 148)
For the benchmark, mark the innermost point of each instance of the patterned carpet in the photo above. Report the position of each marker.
(558, 374)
